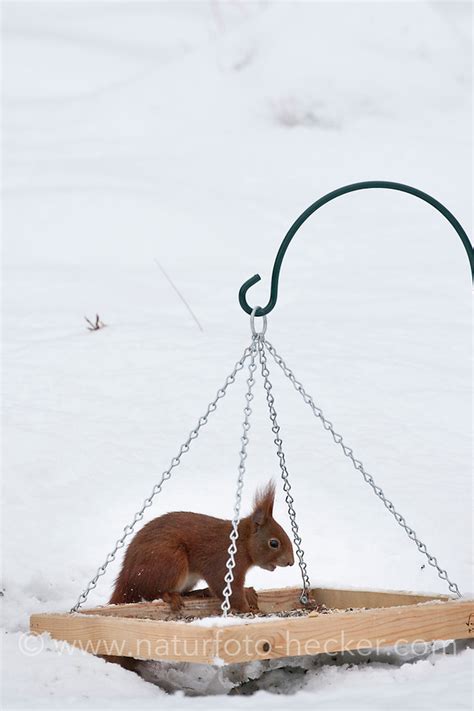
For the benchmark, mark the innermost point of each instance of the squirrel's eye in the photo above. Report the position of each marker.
(274, 543)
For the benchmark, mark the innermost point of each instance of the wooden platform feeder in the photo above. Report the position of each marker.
(354, 620)
(345, 619)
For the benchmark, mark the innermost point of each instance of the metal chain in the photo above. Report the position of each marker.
(128, 530)
(234, 534)
(318, 413)
(304, 597)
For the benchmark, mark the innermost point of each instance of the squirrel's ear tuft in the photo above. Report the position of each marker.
(263, 504)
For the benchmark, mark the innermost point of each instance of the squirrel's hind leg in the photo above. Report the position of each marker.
(174, 600)
(165, 577)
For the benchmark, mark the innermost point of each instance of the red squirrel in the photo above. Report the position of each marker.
(170, 554)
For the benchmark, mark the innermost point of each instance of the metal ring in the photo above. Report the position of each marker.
(252, 323)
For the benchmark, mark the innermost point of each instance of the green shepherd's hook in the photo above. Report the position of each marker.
(322, 201)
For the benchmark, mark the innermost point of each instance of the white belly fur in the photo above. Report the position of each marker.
(188, 583)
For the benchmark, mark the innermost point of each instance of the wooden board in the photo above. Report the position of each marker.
(395, 623)
(130, 637)
(361, 629)
(275, 600)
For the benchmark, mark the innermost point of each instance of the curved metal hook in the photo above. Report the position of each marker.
(322, 201)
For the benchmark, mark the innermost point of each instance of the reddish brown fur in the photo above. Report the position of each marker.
(171, 553)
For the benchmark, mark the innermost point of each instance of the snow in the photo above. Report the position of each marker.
(194, 134)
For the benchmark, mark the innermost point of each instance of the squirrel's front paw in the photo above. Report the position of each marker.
(252, 598)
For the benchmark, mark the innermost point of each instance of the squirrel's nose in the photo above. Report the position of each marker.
(290, 562)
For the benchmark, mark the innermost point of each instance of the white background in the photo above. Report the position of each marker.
(194, 134)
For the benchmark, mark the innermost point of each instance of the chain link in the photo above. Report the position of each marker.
(234, 534)
(318, 413)
(129, 528)
(304, 597)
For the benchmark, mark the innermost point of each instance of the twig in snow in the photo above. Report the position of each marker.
(95, 326)
(168, 278)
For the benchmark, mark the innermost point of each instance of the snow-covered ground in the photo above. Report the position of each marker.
(193, 134)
